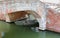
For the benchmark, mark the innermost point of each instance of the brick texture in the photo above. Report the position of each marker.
(54, 19)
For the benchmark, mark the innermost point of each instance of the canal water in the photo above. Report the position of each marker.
(11, 30)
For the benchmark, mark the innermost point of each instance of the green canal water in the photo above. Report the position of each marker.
(14, 31)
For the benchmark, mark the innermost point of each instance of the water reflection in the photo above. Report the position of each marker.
(42, 34)
(4, 27)
(15, 31)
